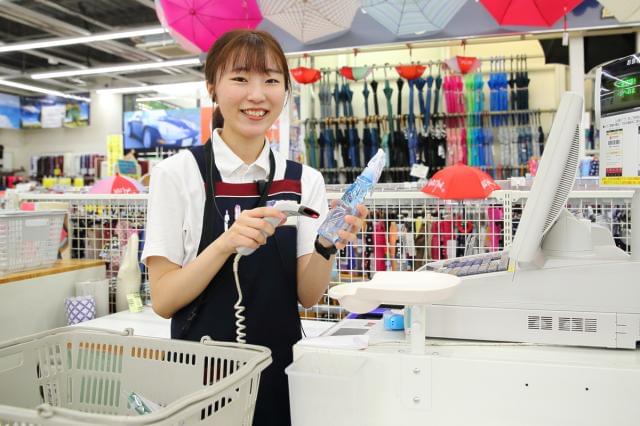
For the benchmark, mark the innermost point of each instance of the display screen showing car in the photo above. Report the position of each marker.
(153, 128)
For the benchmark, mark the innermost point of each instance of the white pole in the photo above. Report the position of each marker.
(576, 72)
(635, 226)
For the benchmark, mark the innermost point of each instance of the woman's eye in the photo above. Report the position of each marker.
(273, 81)
(241, 79)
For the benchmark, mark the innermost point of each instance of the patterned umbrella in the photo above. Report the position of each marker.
(311, 21)
(409, 17)
(196, 24)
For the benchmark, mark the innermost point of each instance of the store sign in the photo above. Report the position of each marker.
(618, 105)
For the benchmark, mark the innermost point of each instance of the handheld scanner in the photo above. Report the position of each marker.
(289, 208)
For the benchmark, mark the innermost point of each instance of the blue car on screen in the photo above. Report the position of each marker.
(157, 128)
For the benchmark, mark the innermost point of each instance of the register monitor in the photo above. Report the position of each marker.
(562, 281)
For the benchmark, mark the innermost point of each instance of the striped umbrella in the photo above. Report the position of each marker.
(311, 21)
(409, 17)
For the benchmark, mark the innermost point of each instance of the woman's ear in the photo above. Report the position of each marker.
(211, 90)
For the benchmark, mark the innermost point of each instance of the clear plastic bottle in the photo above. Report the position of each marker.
(353, 196)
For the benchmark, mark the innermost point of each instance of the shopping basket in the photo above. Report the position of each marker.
(29, 240)
(85, 376)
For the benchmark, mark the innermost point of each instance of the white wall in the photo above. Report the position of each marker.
(105, 119)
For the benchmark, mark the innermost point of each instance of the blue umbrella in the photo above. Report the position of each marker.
(408, 17)
(366, 133)
(412, 136)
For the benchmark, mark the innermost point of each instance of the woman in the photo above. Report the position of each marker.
(208, 201)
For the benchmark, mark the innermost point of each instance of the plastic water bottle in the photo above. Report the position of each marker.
(353, 196)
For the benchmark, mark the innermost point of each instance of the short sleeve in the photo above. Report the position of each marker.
(165, 218)
(314, 195)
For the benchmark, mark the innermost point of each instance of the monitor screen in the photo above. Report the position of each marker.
(555, 178)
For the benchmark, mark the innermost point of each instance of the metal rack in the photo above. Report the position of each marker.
(99, 224)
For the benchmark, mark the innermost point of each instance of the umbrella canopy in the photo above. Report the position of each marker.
(463, 64)
(196, 24)
(311, 21)
(460, 182)
(116, 184)
(355, 73)
(304, 75)
(409, 17)
(410, 72)
(535, 13)
(623, 10)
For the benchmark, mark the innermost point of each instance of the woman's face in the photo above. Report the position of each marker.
(250, 101)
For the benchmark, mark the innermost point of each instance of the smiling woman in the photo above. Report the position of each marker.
(248, 77)
(224, 191)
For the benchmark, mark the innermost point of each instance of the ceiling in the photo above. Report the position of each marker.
(29, 20)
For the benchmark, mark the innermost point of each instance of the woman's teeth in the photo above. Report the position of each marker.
(254, 113)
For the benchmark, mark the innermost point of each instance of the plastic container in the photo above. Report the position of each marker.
(76, 375)
(326, 384)
(354, 195)
(29, 240)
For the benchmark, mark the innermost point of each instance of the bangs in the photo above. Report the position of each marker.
(252, 55)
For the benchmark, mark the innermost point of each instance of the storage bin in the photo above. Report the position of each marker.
(326, 383)
(76, 375)
(29, 240)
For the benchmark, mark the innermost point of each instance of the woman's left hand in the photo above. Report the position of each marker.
(355, 222)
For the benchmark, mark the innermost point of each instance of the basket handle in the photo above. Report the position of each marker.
(24, 339)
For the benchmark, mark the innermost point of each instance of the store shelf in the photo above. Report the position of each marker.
(59, 267)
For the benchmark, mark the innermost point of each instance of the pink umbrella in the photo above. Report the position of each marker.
(196, 24)
(116, 184)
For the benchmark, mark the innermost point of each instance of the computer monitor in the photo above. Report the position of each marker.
(552, 184)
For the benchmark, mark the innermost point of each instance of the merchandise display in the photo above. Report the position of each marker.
(379, 210)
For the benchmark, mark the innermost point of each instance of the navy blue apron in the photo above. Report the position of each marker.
(267, 279)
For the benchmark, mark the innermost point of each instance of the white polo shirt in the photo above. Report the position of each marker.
(177, 197)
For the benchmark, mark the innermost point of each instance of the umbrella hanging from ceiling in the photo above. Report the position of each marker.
(409, 17)
(623, 10)
(535, 13)
(311, 21)
(197, 24)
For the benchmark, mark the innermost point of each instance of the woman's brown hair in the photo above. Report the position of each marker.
(245, 50)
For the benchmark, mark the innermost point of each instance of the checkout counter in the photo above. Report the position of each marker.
(33, 301)
(359, 373)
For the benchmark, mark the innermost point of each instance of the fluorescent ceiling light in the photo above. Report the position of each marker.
(117, 68)
(66, 41)
(164, 88)
(42, 90)
(156, 98)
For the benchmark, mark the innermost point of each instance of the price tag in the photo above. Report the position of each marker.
(419, 170)
(135, 303)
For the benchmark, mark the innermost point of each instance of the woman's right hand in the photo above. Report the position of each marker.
(250, 230)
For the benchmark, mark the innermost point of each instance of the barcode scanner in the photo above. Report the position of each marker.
(289, 208)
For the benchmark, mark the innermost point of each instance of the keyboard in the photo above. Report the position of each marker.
(472, 265)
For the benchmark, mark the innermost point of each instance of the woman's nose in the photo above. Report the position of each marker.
(256, 92)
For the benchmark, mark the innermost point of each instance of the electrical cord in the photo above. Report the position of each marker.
(240, 334)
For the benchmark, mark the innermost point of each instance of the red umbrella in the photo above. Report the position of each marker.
(460, 182)
(410, 72)
(535, 13)
(116, 184)
(196, 24)
(304, 75)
